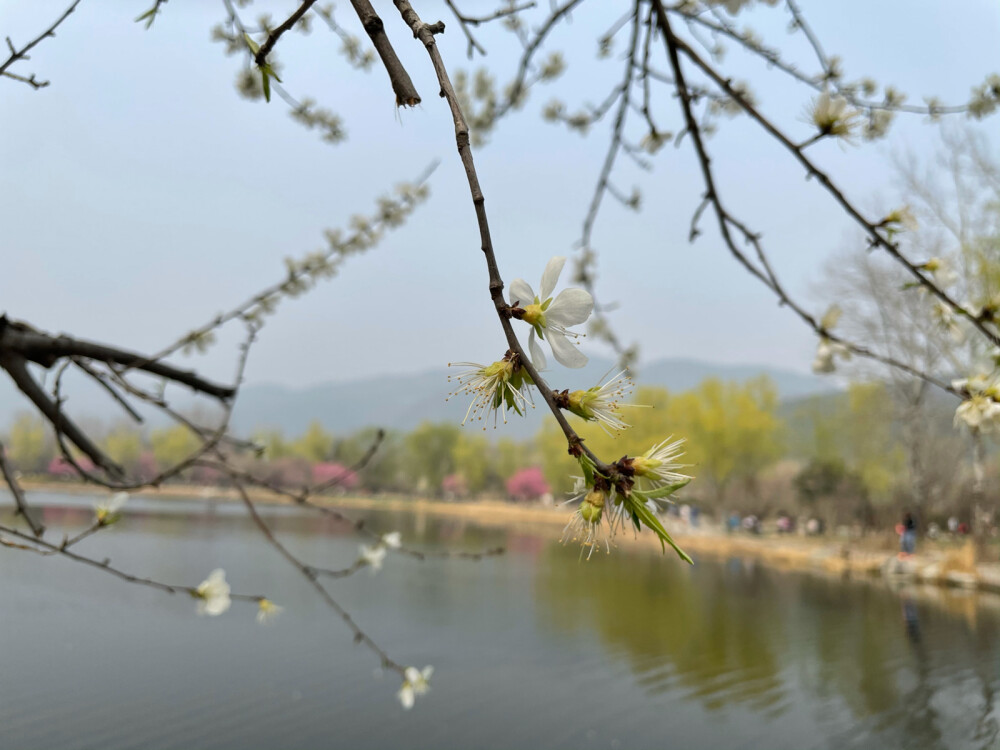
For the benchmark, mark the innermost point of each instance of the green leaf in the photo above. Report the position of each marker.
(265, 80)
(653, 523)
(149, 16)
(665, 491)
(588, 471)
(254, 47)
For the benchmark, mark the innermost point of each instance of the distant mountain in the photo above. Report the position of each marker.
(405, 400)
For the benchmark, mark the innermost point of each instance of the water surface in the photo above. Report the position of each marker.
(531, 650)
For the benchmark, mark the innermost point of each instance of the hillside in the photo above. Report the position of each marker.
(404, 400)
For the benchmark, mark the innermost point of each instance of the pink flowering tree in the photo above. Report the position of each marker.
(454, 485)
(330, 471)
(527, 484)
(60, 468)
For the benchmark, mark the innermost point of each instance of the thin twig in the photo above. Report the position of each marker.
(871, 229)
(18, 492)
(43, 547)
(22, 54)
(272, 38)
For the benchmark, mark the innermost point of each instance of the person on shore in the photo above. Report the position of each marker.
(908, 536)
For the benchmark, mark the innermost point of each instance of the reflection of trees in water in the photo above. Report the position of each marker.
(911, 675)
(715, 639)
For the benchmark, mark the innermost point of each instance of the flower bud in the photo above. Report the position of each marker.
(592, 507)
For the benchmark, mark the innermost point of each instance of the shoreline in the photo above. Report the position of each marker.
(828, 556)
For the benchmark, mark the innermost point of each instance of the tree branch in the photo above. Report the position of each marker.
(19, 499)
(22, 54)
(406, 92)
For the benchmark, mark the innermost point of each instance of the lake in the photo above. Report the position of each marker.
(534, 649)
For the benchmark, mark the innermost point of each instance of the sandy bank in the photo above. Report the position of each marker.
(826, 555)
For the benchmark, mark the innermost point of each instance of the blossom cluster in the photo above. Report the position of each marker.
(608, 497)
(608, 504)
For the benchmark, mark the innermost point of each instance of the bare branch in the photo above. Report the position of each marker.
(42, 547)
(22, 54)
(272, 38)
(406, 92)
(876, 238)
(17, 367)
(16, 490)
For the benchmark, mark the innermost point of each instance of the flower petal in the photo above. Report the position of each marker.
(572, 307)
(537, 355)
(566, 353)
(550, 276)
(406, 697)
(521, 293)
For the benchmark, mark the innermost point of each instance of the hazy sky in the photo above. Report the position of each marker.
(141, 194)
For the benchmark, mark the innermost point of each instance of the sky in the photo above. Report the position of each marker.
(141, 195)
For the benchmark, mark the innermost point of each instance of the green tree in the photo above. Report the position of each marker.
(873, 452)
(429, 454)
(173, 444)
(124, 445)
(315, 444)
(28, 445)
(274, 442)
(470, 457)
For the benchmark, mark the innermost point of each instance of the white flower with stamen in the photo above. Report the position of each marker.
(495, 389)
(901, 219)
(941, 271)
(980, 411)
(372, 556)
(587, 524)
(825, 352)
(833, 116)
(551, 318)
(659, 464)
(946, 319)
(107, 511)
(415, 682)
(213, 594)
(392, 540)
(602, 403)
(267, 611)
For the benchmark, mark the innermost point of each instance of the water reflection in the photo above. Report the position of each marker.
(739, 635)
(720, 654)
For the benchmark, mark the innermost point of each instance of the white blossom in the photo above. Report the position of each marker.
(267, 611)
(833, 116)
(213, 594)
(587, 524)
(825, 352)
(415, 682)
(372, 556)
(392, 540)
(603, 403)
(945, 318)
(980, 411)
(941, 271)
(659, 465)
(550, 317)
(494, 388)
(107, 510)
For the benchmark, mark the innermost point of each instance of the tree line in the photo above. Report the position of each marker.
(845, 456)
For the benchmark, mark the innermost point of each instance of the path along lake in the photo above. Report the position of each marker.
(533, 649)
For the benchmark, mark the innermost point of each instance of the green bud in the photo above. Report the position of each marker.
(592, 507)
